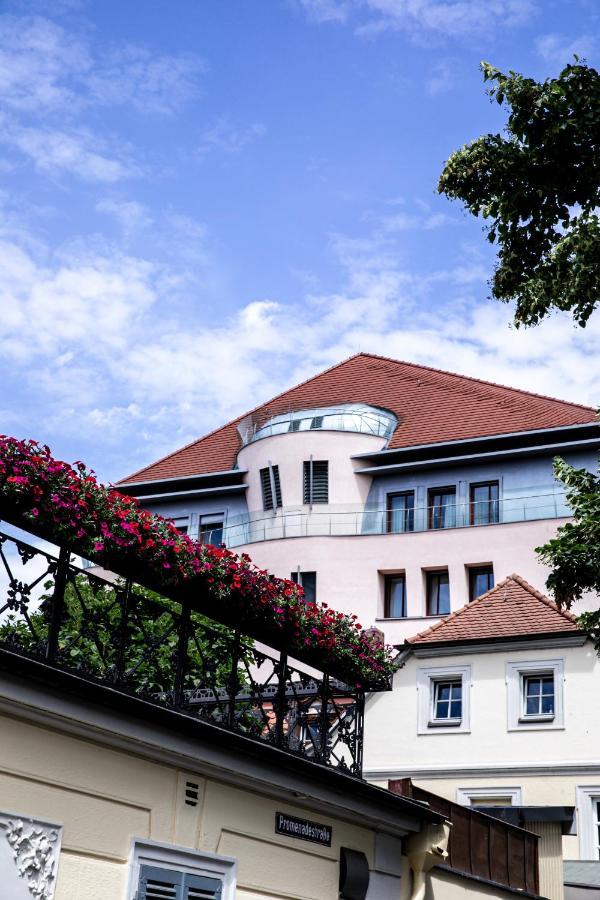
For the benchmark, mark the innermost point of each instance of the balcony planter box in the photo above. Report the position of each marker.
(255, 622)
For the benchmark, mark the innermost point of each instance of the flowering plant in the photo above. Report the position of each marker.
(66, 504)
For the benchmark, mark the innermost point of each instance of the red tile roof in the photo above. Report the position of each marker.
(431, 406)
(511, 609)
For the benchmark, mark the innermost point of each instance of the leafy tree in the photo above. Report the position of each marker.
(574, 554)
(89, 638)
(539, 187)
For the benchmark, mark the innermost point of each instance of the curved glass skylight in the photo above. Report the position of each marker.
(356, 417)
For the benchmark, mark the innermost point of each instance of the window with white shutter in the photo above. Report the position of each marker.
(165, 872)
(157, 883)
(316, 481)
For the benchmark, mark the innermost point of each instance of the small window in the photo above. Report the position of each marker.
(316, 422)
(316, 481)
(538, 696)
(481, 580)
(442, 507)
(182, 524)
(447, 702)
(295, 425)
(210, 530)
(490, 796)
(485, 503)
(443, 700)
(157, 883)
(271, 487)
(438, 594)
(395, 597)
(400, 511)
(535, 694)
(308, 582)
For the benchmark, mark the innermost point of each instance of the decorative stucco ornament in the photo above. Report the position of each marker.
(34, 848)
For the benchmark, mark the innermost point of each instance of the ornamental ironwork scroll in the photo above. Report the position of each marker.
(111, 631)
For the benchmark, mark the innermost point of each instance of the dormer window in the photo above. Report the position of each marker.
(358, 417)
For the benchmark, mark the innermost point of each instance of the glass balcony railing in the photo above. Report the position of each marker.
(331, 520)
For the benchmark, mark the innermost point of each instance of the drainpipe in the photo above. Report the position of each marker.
(424, 850)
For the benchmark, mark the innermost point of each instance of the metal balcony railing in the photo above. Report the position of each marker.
(338, 520)
(117, 634)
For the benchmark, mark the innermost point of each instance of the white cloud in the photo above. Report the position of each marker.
(560, 50)
(37, 60)
(130, 214)
(441, 78)
(50, 78)
(229, 138)
(437, 18)
(148, 82)
(327, 10)
(43, 67)
(105, 353)
(55, 151)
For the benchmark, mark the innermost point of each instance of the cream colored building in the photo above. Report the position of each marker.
(100, 797)
(126, 783)
(496, 706)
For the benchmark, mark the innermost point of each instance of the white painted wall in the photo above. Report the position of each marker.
(288, 451)
(350, 568)
(547, 765)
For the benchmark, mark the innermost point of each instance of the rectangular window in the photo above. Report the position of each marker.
(535, 694)
(442, 507)
(210, 530)
(489, 796)
(157, 883)
(538, 696)
(447, 701)
(316, 481)
(485, 505)
(400, 511)
(438, 594)
(271, 487)
(395, 596)
(481, 579)
(308, 582)
(182, 524)
(596, 813)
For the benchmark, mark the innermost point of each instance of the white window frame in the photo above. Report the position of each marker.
(465, 796)
(426, 679)
(588, 811)
(182, 859)
(516, 672)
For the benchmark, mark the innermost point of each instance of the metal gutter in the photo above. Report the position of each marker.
(471, 457)
(198, 492)
(459, 646)
(224, 473)
(480, 439)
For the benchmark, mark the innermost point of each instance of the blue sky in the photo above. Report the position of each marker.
(206, 201)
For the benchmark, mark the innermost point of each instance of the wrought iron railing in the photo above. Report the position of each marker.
(350, 519)
(116, 633)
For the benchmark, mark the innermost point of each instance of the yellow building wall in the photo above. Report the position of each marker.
(104, 797)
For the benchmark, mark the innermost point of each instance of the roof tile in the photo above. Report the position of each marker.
(511, 609)
(431, 406)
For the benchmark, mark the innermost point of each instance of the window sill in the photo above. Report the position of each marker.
(445, 723)
(534, 720)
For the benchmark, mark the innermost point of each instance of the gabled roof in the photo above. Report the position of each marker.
(511, 609)
(431, 406)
